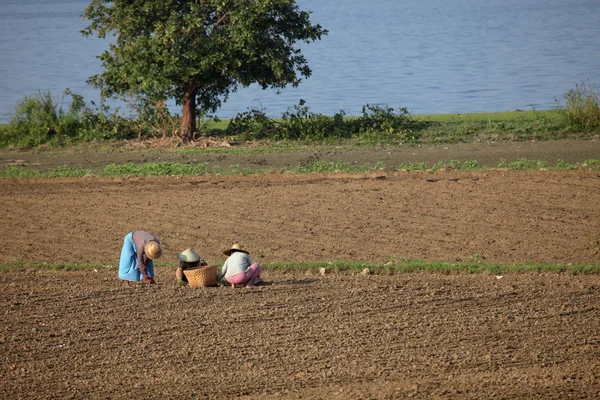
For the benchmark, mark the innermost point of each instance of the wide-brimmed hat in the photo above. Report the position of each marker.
(153, 250)
(236, 247)
(189, 255)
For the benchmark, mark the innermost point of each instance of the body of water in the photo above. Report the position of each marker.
(430, 56)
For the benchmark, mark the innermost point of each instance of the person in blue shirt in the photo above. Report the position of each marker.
(139, 251)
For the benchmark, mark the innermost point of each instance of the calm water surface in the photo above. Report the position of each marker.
(431, 56)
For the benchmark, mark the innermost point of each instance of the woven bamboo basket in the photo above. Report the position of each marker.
(202, 276)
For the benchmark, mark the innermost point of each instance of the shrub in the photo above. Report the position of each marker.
(299, 122)
(582, 107)
(35, 121)
(42, 119)
(252, 124)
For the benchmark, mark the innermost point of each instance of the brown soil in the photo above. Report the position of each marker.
(82, 334)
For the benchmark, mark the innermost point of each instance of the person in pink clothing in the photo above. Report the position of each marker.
(238, 268)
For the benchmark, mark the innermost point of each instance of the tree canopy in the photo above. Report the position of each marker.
(197, 52)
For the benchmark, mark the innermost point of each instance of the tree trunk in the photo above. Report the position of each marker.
(188, 120)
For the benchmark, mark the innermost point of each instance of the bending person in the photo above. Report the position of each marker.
(139, 251)
(238, 268)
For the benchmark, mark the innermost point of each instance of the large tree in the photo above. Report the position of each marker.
(198, 51)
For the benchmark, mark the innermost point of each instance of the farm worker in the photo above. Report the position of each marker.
(238, 268)
(187, 259)
(139, 251)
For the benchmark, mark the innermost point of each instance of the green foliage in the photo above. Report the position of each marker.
(42, 119)
(522, 164)
(199, 52)
(324, 166)
(172, 169)
(384, 124)
(470, 165)
(60, 172)
(39, 119)
(582, 110)
(353, 267)
(154, 169)
(413, 166)
(252, 124)
(501, 126)
(300, 123)
(406, 266)
(565, 165)
(478, 257)
(375, 125)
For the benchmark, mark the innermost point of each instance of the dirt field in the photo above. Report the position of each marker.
(83, 335)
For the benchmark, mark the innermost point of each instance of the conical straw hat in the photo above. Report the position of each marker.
(189, 255)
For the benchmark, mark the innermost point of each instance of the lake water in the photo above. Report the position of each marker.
(431, 56)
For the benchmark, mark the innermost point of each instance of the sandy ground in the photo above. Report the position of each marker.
(83, 335)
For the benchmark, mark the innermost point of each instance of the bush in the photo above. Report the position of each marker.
(42, 119)
(582, 107)
(36, 120)
(252, 124)
(299, 123)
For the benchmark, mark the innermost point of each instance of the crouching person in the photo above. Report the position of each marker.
(238, 268)
(187, 259)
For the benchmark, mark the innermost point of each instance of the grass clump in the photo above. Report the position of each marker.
(154, 169)
(582, 109)
(522, 164)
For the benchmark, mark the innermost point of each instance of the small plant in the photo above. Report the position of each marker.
(478, 257)
(454, 164)
(468, 165)
(522, 164)
(412, 166)
(562, 164)
(438, 165)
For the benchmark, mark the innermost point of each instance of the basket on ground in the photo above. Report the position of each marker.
(202, 276)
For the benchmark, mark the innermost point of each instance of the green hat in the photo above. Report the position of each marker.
(189, 255)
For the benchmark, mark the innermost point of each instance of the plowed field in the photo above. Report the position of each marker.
(84, 335)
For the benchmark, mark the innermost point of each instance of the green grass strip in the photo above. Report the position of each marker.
(387, 268)
(178, 169)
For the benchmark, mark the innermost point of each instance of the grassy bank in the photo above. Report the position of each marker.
(41, 120)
